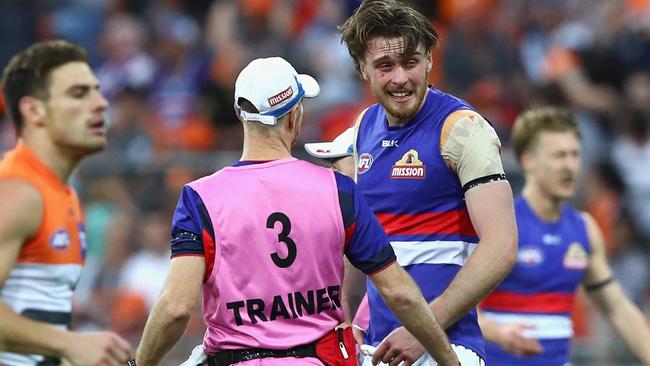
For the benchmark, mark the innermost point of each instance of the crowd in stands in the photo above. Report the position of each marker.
(168, 69)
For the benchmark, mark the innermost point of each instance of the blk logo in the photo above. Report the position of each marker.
(389, 143)
(551, 239)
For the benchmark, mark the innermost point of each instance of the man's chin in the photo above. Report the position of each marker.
(95, 146)
(402, 114)
(564, 195)
(402, 111)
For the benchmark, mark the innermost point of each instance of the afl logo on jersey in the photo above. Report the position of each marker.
(530, 256)
(60, 240)
(576, 257)
(364, 164)
(409, 166)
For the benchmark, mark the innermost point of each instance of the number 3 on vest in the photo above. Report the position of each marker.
(283, 237)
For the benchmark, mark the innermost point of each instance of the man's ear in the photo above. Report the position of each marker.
(362, 71)
(291, 119)
(526, 160)
(429, 62)
(32, 109)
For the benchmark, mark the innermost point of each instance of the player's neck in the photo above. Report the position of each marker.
(547, 208)
(58, 159)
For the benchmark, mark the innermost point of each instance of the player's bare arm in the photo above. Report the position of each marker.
(353, 290)
(21, 210)
(490, 208)
(403, 297)
(172, 311)
(471, 148)
(509, 336)
(610, 299)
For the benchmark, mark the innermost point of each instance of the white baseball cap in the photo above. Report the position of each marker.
(340, 147)
(274, 87)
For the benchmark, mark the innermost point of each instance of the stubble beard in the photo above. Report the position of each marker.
(403, 112)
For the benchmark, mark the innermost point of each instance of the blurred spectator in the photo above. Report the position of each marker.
(323, 55)
(80, 21)
(630, 259)
(631, 155)
(602, 199)
(174, 119)
(475, 48)
(489, 95)
(636, 90)
(94, 311)
(127, 133)
(143, 271)
(19, 26)
(126, 63)
(237, 32)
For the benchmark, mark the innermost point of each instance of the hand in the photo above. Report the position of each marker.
(398, 346)
(511, 338)
(96, 349)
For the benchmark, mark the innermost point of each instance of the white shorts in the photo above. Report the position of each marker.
(466, 356)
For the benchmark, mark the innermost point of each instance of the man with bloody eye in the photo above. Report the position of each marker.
(429, 166)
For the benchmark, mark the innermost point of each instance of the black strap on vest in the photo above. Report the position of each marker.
(229, 357)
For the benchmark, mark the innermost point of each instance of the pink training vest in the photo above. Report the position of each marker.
(278, 267)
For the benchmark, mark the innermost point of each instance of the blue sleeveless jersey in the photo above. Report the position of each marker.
(420, 203)
(540, 290)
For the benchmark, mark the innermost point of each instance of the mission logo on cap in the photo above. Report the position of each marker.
(274, 87)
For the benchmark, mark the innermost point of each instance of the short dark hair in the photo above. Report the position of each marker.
(531, 123)
(28, 72)
(386, 18)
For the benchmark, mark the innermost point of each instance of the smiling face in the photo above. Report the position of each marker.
(398, 81)
(74, 109)
(552, 164)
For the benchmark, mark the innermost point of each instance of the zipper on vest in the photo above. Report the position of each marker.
(344, 351)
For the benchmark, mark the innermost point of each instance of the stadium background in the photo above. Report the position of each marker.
(168, 69)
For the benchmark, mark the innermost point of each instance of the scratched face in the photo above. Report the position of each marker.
(397, 80)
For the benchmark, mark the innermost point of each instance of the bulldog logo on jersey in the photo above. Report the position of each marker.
(408, 167)
(60, 240)
(364, 164)
(575, 257)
